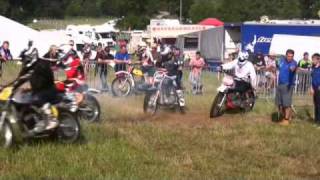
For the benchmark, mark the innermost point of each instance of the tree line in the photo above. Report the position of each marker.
(137, 13)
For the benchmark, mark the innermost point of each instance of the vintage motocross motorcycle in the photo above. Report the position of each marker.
(19, 116)
(229, 99)
(162, 94)
(89, 107)
(127, 82)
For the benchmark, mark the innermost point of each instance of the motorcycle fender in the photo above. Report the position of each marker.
(132, 81)
(94, 91)
(222, 88)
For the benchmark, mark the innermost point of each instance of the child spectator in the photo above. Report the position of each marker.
(196, 65)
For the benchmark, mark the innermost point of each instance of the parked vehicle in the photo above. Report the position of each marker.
(128, 81)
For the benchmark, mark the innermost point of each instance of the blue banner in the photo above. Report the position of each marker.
(259, 36)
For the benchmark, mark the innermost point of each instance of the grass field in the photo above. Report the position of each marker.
(130, 145)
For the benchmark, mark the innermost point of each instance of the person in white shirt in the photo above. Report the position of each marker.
(244, 71)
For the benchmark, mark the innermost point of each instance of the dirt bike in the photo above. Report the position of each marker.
(163, 93)
(19, 116)
(127, 82)
(229, 99)
(89, 107)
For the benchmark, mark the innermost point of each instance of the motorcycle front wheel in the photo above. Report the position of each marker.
(216, 109)
(6, 135)
(90, 110)
(69, 127)
(121, 87)
(148, 106)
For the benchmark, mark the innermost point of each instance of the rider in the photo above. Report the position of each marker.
(38, 72)
(165, 53)
(74, 70)
(244, 71)
(172, 68)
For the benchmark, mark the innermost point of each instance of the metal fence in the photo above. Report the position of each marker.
(265, 87)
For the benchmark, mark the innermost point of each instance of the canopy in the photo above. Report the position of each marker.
(211, 22)
(175, 31)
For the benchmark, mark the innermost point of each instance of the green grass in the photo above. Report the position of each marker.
(63, 23)
(130, 145)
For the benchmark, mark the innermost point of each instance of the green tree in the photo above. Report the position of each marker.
(4, 6)
(202, 9)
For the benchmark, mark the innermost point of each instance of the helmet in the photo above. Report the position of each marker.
(242, 58)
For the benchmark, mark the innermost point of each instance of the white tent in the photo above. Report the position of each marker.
(18, 36)
(300, 44)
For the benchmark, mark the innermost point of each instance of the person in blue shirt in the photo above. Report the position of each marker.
(5, 54)
(315, 90)
(121, 59)
(287, 72)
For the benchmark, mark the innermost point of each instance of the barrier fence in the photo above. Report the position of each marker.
(265, 87)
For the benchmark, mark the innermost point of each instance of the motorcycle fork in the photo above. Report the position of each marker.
(155, 99)
(3, 116)
(223, 100)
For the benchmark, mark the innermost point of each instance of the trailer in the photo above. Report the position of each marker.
(259, 35)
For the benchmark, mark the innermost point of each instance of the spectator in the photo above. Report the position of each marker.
(287, 71)
(148, 63)
(196, 65)
(315, 75)
(86, 54)
(230, 57)
(121, 59)
(103, 58)
(271, 69)
(304, 67)
(52, 53)
(259, 62)
(5, 54)
(305, 64)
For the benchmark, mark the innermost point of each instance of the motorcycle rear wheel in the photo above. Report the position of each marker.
(69, 128)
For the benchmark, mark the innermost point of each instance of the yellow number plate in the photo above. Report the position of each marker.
(6, 93)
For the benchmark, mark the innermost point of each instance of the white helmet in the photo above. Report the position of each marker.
(242, 58)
